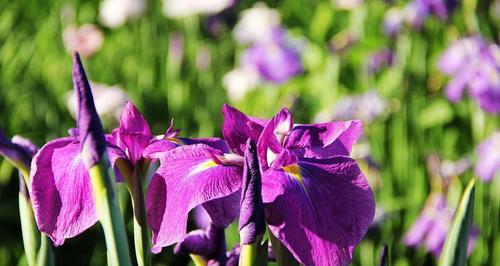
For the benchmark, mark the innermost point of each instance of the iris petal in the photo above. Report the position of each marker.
(61, 190)
(237, 127)
(319, 209)
(191, 178)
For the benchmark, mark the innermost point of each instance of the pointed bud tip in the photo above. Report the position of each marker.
(92, 140)
(252, 220)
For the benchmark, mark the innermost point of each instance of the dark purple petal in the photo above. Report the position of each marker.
(61, 191)
(237, 127)
(324, 140)
(26, 144)
(18, 153)
(210, 243)
(252, 223)
(92, 141)
(134, 133)
(319, 209)
(233, 256)
(223, 210)
(191, 178)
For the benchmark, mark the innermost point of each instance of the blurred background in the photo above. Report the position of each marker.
(422, 75)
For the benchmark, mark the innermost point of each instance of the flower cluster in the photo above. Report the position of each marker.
(298, 179)
(473, 63)
(271, 55)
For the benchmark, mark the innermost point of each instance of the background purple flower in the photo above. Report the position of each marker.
(275, 60)
(488, 158)
(431, 226)
(473, 64)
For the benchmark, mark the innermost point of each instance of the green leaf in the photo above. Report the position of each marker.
(455, 247)
(439, 112)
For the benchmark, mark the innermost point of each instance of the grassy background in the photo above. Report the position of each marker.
(35, 76)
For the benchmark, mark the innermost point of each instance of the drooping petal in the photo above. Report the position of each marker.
(92, 140)
(319, 209)
(223, 210)
(61, 191)
(134, 133)
(237, 127)
(191, 178)
(324, 140)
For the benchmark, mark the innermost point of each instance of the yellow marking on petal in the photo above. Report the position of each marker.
(202, 167)
(294, 170)
(176, 140)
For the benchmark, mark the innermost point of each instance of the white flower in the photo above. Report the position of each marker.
(182, 8)
(109, 100)
(86, 40)
(239, 81)
(114, 13)
(256, 24)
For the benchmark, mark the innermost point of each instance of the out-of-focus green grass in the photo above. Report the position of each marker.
(35, 76)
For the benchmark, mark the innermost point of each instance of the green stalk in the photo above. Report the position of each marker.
(254, 254)
(141, 232)
(108, 210)
(198, 260)
(31, 236)
(45, 254)
(142, 237)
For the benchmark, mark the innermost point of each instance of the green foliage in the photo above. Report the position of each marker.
(35, 78)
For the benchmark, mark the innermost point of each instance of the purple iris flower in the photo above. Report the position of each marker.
(488, 153)
(275, 60)
(317, 201)
(473, 63)
(60, 184)
(432, 225)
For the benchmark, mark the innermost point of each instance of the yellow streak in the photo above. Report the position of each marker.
(294, 170)
(202, 167)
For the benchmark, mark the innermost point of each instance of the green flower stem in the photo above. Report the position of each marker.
(142, 237)
(45, 253)
(283, 256)
(31, 236)
(198, 260)
(254, 254)
(108, 210)
(141, 232)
